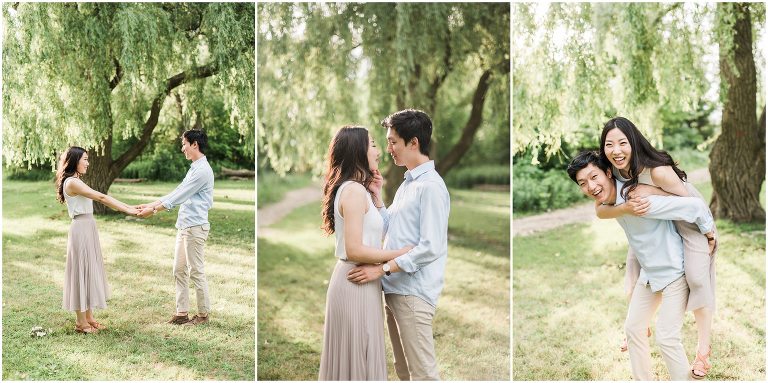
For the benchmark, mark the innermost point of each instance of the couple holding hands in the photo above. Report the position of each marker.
(85, 282)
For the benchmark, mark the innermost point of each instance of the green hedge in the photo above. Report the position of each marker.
(468, 177)
(536, 190)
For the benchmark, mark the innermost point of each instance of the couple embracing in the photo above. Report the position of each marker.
(85, 282)
(408, 267)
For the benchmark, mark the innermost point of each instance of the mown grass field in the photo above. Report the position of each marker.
(138, 256)
(569, 304)
(472, 321)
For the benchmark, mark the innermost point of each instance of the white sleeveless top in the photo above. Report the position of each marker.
(643, 178)
(373, 225)
(78, 204)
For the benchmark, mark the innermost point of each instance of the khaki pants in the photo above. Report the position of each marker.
(409, 320)
(189, 263)
(671, 303)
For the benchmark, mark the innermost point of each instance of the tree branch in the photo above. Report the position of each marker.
(118, 75)
(157, 105)
(470, 128)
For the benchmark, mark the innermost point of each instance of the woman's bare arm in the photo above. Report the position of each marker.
(78, 187)
(353, 207)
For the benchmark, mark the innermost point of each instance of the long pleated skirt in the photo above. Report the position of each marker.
(85, 283)
(353, 336)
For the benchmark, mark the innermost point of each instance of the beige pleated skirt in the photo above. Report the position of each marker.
(353, 335)
(85, 283)
(698, 264)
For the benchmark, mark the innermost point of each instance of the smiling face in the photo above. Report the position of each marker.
(373, 154)
(597, 184)
(396, 147)
(617, 149)
(82, 165)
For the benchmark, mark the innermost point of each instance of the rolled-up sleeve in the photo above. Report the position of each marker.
(191, 184)
(433, 240)
(689, 209)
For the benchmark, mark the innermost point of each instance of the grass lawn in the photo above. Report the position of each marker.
(138, 257)
(471, 325)
(569, 304)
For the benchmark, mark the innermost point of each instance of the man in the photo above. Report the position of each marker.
(659, 250)
(418, 216)
(195, 197)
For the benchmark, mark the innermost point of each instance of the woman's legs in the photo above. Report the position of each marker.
(704, 329)
(81, 318)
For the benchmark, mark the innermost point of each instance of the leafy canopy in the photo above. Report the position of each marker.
(78, 73)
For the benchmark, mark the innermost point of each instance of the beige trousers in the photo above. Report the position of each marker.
(409, 320)
(671, 302)
(189, 263)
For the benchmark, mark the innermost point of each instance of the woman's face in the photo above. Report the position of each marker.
(373, 154)
(82, 165)
(617, 149)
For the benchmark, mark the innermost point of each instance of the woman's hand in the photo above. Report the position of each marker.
(132, 210)
(406, 249)
(638, 206)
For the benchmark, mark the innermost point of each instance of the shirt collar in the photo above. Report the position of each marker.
(419, 170)
(198, 162)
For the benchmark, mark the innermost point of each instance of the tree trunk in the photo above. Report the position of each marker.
(104, 169)
(445, 164)
(737, 160)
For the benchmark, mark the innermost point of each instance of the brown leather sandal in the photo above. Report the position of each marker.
(85, 329)
(97, 325)
(701, 364)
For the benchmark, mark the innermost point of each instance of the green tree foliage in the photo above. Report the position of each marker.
(578, 64)
(324, 65)
(96, 74)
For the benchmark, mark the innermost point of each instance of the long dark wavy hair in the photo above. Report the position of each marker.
(643, 154)
(67, 168)
(347, 160)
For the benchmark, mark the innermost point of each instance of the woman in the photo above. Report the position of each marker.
(637, 163)
(353, 336)
(85, 284)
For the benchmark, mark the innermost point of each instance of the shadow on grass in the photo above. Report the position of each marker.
(291, 310)
(136, 337)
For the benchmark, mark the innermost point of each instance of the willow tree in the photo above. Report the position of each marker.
(577, 65)
(324, 65)
(737, 160)
(93, 74)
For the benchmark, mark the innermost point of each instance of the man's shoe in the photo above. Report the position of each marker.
(196, 320)
(179, 319)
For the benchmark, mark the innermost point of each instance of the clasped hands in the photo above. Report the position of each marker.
(142, 211)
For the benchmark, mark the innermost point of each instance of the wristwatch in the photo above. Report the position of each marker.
(386, 268)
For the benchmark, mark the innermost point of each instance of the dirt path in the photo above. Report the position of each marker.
(581, 213)
(293, 199)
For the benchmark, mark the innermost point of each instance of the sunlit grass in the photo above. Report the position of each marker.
(138, 257)
(471, 326)
(569, 304)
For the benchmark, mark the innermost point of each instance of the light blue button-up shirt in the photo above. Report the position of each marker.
(418, 216)
(194, 194)
(657, 244)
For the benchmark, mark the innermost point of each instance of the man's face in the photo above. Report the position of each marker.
(596, 184)
(188, 149)
(396, 147)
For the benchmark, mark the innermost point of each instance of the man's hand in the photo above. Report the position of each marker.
(365, 273)
(146, 212)
(711, 242)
